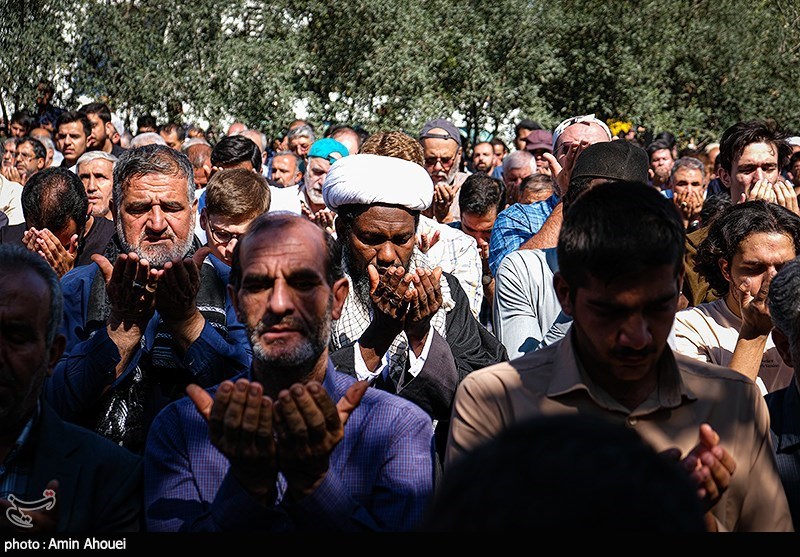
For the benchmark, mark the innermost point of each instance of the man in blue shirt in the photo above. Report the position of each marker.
(150, 315)
(274, 451)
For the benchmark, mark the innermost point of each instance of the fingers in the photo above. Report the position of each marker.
(374, 278)
(350, 401)
(105, 266)
(552, 163)
(201, 399)
(218, 410)
(708, 437)
(200, 256)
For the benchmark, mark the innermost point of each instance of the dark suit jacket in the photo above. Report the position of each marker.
(784, 424)
(100, 483)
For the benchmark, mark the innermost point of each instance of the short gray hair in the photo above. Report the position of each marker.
(687, 162)
(301, 131)
(151, 159)
(518, 159)
(14, 256)
(45, 140)
(89, 156)
(784, 303)
(147, 138)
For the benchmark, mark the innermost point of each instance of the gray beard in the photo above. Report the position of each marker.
(157, 257)
(297, 364)
(358, 277)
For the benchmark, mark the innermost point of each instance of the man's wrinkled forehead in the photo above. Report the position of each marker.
(588, 130)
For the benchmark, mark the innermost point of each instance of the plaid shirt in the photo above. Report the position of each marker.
(15, 471)
(380, 475)
(514, 226)
(456, 253)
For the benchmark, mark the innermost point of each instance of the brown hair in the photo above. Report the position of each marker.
(237, 193)
(394, 144)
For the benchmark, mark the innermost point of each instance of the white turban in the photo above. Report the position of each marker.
(368, 179)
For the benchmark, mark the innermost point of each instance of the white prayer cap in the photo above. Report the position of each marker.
(366, 179)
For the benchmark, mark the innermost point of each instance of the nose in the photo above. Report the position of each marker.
(228, 252)
(91, 185)
(156, 222)
(759, 174)
(280, 301)
(386, 255)
(635, 333)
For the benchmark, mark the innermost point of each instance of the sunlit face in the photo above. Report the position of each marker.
(582, 131)
(441, 157)
(661, 162)
(10, 147)
(316, 170)
(26, 160)
(300, 146)
(100, 132)
(758, 259)
(687, 179)
(499, 154)
(513, 177)
(519, 140)
(171, 138)
(97, 177)
(380, 236)
(223, 233)
(483, 158)
(478, 226)
(285, 301)
(621, 327)
(71, 141)
(25, 360)
(759, 161)
(156, 220)
(283, 170)
(17, 130)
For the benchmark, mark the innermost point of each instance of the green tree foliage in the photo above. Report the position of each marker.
(689, 66)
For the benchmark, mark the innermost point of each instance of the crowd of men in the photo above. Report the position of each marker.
(396, 331)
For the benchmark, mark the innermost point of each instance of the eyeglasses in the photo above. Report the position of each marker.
(25, 156)
(446, 162)
(222, 236)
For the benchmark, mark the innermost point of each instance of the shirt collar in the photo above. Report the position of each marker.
(572, 376)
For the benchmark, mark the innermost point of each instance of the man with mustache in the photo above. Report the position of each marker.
(151, 314)
(278, 453)
(442, 151)
(405, 327)
(621, 287)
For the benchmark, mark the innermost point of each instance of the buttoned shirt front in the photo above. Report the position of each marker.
(689, 393)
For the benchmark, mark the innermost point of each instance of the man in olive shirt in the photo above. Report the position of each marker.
(621, 287)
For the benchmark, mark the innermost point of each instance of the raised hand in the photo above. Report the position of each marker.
(130, 286)
(389, 293)
(443, 195)
(785, 196)
(426, 299)
(426, 242)
(710, 465)
(240, 426)
(309, 426)
(180, 280)
(49, 247)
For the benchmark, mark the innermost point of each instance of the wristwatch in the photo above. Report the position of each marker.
(486, 279)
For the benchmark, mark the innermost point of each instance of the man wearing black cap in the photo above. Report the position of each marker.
(441, 148)
(527, 314)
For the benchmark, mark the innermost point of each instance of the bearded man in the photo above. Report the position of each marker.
(151, 314)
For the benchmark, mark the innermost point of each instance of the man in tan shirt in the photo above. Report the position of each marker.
(621, 285)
